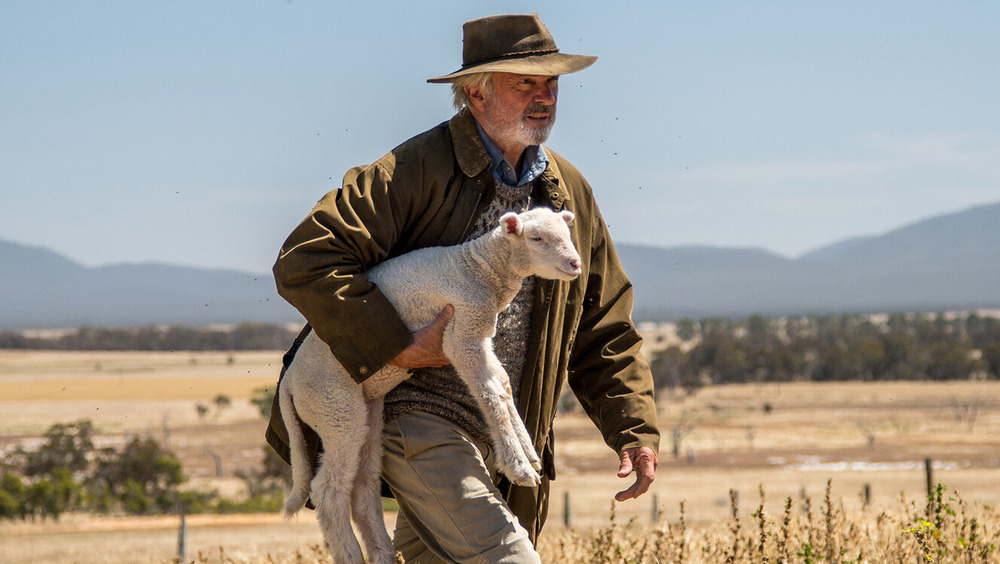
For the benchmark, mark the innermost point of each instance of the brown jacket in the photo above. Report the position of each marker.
(427, 192)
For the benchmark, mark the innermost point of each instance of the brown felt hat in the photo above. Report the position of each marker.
(513, 43)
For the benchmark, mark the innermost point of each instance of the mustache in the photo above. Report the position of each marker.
(538, 109)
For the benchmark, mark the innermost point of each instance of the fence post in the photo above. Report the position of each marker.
(656, 508)
(929, 471)
(182, 539)
(866, 494)
(566, 511)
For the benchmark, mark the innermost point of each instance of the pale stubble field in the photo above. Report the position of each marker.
(792, 439)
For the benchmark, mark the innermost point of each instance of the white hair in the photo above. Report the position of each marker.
(483, 80)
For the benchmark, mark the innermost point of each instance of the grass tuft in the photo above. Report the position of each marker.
(955, 533)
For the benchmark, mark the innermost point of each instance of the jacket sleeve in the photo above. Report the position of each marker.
(607, 371)
(321, 271)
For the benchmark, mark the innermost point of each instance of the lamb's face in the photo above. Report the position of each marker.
(546, 237)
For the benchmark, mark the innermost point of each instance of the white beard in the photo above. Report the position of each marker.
(515, 128)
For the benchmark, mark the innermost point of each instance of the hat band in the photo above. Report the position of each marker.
(511, 55)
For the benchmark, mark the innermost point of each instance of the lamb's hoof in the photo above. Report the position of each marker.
(532, 457)
(536, 463)
(525, 476)
(530, 480)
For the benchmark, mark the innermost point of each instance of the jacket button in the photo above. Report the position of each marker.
(363, 370)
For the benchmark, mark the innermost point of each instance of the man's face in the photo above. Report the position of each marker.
(521, 109)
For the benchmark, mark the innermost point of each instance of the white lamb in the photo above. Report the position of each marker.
(479, 278)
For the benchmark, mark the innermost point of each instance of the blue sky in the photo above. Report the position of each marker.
(199, 133)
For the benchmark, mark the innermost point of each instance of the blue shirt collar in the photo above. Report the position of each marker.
(535, 162)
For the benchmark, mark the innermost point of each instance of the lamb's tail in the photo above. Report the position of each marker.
(301, 466)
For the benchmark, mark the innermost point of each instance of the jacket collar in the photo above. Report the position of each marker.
(468, 146)
(473, 159)
(551, 184)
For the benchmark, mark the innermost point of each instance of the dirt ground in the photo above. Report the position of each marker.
(790, 439)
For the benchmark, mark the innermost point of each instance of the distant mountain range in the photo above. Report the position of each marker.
(41, 289)
(947, 262)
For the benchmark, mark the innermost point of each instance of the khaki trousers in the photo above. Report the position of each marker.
(450, 509)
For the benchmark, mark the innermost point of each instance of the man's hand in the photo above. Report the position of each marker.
(426, 348)
(643, 461)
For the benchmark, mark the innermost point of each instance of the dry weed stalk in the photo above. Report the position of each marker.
(828, 518)
(734, 504)
(904, 535)
(785, 532)
(956, 533)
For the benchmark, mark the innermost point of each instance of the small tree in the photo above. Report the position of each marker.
(13, 495)
(263, 398)
(222, 402)
(687, 329)
(667, 367)
(143, 476)
(202, 411)
(274, 477)
(53, 495)
(680, 430)
(67, 446)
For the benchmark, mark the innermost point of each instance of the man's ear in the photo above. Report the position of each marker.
(477, 97)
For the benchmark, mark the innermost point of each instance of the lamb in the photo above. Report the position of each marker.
(479, 278)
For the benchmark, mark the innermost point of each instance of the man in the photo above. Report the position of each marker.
(443, 187)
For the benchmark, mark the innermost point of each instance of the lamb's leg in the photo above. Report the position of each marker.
(489, 383)
(367, 502)
(336, 414)
(331, 492)
(522, 435)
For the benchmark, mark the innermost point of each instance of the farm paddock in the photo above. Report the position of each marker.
(792, 439)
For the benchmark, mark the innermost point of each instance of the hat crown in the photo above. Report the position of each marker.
(518, 44)
(497, 37)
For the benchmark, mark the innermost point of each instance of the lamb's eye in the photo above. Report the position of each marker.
(536, 239)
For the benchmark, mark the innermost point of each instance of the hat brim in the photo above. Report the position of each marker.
(548, 64)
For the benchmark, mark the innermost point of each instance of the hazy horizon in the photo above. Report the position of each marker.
(620, 243)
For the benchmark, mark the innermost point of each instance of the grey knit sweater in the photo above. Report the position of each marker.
(440, 391)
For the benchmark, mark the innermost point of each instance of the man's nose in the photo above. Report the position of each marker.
(545, 94)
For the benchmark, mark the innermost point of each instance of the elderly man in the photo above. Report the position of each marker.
(443, 187)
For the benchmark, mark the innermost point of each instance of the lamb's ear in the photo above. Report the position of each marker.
(512, 224)
(567, 216)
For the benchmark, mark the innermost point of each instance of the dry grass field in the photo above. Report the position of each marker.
(790, 439)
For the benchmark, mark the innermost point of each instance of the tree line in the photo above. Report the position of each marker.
(761, 349)
(711, 351)
(241, 337)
